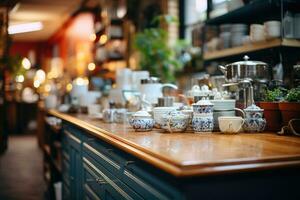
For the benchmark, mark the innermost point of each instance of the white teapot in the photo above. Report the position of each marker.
(151, 89)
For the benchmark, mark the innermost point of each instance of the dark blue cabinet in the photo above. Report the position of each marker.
(94, 169)
(72, 165)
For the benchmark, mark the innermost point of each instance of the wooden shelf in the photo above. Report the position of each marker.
(250, 48)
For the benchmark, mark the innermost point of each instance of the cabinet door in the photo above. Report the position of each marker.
(74, 170)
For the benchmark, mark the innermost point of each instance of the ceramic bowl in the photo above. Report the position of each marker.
(175, 121)
(142, 124)
(203, 123)
(223, 105)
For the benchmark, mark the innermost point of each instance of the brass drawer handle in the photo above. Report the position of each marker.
(97, 180)
(109, 150)
(128, 163)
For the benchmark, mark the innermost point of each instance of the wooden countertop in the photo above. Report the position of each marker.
(189, 154)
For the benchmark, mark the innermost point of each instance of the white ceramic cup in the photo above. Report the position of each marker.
(230, 124)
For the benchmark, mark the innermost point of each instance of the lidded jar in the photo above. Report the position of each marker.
(203, 120)
(142, 121)
(203, 107)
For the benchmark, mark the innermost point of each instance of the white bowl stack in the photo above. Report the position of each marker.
(272, 29)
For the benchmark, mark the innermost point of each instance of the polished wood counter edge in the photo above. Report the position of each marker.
(185, 155)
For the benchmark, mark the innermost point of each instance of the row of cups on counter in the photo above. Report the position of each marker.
(201, 118)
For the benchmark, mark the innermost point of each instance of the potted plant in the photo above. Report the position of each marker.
(290, 107)
(156, 54)
(270, 104)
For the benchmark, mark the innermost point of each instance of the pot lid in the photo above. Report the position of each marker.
(141, 113)
(253, 107)
(248, 62)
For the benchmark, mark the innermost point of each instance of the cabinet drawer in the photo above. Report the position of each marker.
(66, 192)
(89, 193)
(112, 185)
(137, 177)
(106, 157)
(93, 183)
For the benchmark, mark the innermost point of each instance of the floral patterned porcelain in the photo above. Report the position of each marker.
(203, 120)
(141, 121)
(175, 121)
(203, 123)
(203, 107)
(254, 121)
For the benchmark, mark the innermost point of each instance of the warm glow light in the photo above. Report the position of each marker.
(92, 37)
(26, 63)
(20, 78)
(69, 87)
(36, 83)
(81, 81)
(47, 88)
(103, 39)
(23, 28)
(40, 75)
(91, 66)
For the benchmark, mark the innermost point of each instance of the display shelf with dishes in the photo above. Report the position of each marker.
(258, 46)
(237, 32)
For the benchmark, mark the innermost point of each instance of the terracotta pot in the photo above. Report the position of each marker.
(272, 115)
(290, 110)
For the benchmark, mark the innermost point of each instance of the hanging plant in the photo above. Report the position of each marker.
(156, 55)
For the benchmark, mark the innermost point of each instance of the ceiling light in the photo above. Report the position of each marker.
(23, 28)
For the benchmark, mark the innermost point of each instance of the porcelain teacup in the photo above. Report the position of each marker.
(230, 124)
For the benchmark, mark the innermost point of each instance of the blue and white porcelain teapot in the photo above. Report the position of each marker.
(254, 121)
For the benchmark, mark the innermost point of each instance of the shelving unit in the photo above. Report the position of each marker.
(276, 52)
(250, 48)
(51, 146)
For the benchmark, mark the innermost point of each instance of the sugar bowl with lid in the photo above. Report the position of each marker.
(142, 121)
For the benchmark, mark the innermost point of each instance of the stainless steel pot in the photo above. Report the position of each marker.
(237, 71)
